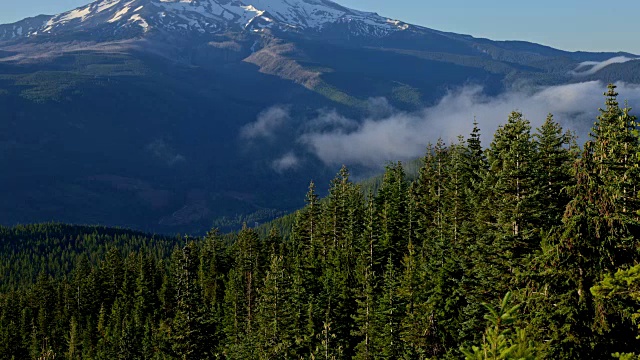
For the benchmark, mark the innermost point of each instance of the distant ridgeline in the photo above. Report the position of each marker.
(526, 249)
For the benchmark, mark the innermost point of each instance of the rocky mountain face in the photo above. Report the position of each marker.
(135, 112)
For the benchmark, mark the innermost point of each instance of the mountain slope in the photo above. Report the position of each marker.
(131, 113)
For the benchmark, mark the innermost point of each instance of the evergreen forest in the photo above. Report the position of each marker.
(523, 248)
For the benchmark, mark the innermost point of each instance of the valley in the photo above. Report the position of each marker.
(93, 94)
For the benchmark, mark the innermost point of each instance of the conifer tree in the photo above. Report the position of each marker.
(341, 228)
(365, 330)
(389, 313)
(511, 157)
(112, 275)
(275, 335)
(307, 250)
(391, 205)
(501, 341)
(475, 158)
(189, 328)
(510, 235)
(214, 265)
(234, 309)
(366, 292)
(476, 192)
(306, 229)
(620, 292)
(415, 321)
(598, 235)
(145, 290)
(616, 151)
(241, 293)
(505, 233)
(554, 159)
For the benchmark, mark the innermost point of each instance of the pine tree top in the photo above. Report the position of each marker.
(612, 95)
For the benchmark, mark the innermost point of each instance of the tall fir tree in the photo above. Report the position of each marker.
(275, 334)
(391, 204)
(389, 312)
(554, 157)
(599, 235)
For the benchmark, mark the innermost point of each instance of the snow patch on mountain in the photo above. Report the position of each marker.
(107, 5)
(119, 14)
(140, 21)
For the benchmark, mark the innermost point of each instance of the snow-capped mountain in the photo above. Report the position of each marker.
(137, 17)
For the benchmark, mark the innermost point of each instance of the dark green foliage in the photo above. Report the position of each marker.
(598, 235)
(554, 158)
(405, 272)
(501, 340)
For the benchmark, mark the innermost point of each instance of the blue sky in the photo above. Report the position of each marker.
(566, 24)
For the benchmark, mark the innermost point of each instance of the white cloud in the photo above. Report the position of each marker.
(286, 162)
(379, 107)
(595, 66)
(402, 135)
(267, 123)
(165, 152)
(330, 120)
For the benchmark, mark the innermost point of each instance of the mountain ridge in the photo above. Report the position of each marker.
(202, 16)
(130, 19)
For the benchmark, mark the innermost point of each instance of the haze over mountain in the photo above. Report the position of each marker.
(179, 115)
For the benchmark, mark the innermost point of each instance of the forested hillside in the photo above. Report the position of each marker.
(524, 248)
